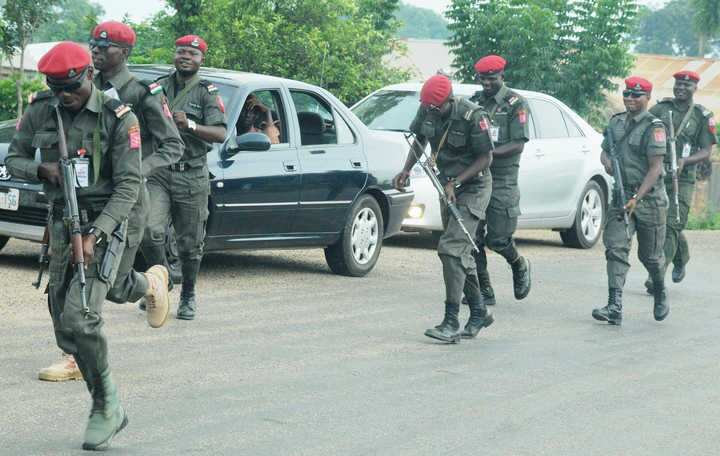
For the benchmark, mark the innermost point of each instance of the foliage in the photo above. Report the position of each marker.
(704, 221)
(337, 44)
(8, 95)
(568, 49)
(421, 23)
(665, 31)
(706, 21)
(74, 21)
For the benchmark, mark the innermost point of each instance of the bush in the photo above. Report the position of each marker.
(704, 221)
(8, 94)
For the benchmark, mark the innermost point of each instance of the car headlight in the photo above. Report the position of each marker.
(416, 211)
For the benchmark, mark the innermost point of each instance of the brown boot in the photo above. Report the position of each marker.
(62, 370)
(157, 300)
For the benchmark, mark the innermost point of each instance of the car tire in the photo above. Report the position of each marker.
(3, 240)
(589, 218)
(358, 249)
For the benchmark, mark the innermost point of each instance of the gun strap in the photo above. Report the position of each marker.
(684, 122)
(441, 143)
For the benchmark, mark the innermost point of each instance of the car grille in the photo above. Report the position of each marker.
(25, 215)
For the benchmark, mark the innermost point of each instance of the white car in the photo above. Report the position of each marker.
(563, 186)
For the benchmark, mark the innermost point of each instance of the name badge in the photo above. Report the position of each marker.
(495, 133)
(82, 172)
(686, 151)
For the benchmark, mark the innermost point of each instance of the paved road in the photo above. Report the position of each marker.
(288, 359)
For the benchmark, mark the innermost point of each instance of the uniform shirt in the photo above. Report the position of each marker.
(201, 102)
(646, 139)
(698, 132)
(467, 135)
(508, 112)
(116, 189)
(161, 143)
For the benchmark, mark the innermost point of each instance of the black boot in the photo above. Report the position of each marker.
(649, 288)
(678, 273)
(479, 318)
(612, 312)
(187, 307)
(521, 277)
(448, 330)
(486, 289)
(661, 308)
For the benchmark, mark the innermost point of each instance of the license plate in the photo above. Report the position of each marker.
(9, 199)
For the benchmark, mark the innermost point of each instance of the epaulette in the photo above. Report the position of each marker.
(512, 98)
(704, 111)
(153, 88)
(466, 108)
(211, 88)
(165, 76)
(117, 107)
(37, 96)
(618, 114)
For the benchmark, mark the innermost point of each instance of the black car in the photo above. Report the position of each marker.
(327, 184)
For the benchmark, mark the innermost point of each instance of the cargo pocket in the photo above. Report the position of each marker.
(46, 142)
(457, 139)
(501, 121)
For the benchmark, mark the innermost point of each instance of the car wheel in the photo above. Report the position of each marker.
(3, 240)
(589, 219)
(358, 249)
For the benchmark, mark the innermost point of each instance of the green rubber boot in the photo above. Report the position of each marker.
(107, 416)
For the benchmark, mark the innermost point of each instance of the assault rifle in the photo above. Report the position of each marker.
(43, 258)
(674, 167)
(619, 189)
(429, 169)
(72, 211)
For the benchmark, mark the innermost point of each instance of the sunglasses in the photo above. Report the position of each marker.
(633, 94)
(67, 88)
(432, 107)
(102, 45)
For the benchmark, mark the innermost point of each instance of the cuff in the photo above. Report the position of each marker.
(105, 224)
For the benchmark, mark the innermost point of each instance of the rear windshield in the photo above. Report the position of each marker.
(388, 109)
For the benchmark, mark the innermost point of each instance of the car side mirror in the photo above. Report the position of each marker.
(248, 142)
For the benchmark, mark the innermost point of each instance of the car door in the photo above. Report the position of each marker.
(551, 163)
(334, 168)
(260, 190)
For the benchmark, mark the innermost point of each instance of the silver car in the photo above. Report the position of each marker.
(563, 186)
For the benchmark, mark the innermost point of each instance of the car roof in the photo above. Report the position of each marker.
(464, 90)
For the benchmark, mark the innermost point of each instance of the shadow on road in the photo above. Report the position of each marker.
(17, 260)
(427, 241)
(255, 263)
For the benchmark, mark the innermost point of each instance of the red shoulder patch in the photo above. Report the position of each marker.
(166, 109)
(134, 137)
(712, 126)
(659, 134)
(522, 116)
(484, 124)
(221, 104)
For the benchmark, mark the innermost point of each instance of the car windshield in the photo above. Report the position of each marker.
(388, 109)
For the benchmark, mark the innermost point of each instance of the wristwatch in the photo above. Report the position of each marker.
(454, 181)
(95, 231)
(192, 125)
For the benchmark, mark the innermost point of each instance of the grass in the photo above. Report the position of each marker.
(704, 221)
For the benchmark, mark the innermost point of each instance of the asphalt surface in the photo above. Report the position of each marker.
(287, 359)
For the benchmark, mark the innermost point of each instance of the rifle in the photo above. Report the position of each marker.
(674, 167)
(43, 258)
(72, 212)
(433, 176)
(617, 178)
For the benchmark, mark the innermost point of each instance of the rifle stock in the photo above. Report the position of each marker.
(674, 167)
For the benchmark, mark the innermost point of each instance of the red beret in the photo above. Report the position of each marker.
(113, 32)
(64, 61)
(687, 76)
(192, 41)
(490, 64)
(638, 83)
(436, 90)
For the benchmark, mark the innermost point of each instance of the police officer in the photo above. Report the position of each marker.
(639, 139)
(695, 135)
(180, 191)
(103, 139)
(508, 112)
(111, 43)
(458, 133)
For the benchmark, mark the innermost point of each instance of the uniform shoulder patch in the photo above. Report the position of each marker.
(211, 88)
(153, 87)
(659, 134)
(512, 98)
(37, 96)
(118, 107)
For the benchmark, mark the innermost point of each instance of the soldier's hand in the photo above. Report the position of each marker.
(450, 192)
(50, 172)
(181, 120)
(89, 242)
(401, 180)
(630, 206)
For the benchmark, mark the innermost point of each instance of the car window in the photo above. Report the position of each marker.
(316, 120)
(573, 128)
(7, 132)
(345, 134)
(549, 121)
(253, 116)
(388, 109)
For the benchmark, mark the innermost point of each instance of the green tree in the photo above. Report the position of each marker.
(665, 31)
(568, 49)
(706, 21)
(22, 19)
(74, 20)
(337, 44)
(421, 23)
(8, 95)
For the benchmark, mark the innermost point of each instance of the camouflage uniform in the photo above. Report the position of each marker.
(457, 143)
(180, 191)
(161, 147)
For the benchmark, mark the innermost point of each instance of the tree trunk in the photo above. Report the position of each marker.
(702, 41)
(19, 82)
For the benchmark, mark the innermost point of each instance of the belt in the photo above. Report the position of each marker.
(180, 166)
